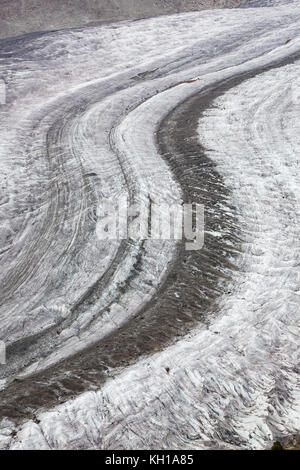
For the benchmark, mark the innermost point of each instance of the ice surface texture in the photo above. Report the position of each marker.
(103, 111)
(25, 16)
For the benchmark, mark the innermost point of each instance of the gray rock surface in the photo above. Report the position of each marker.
(24, 16)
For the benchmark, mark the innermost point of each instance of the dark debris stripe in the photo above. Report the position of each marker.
(198, 277)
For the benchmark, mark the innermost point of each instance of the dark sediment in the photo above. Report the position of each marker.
(197, 278)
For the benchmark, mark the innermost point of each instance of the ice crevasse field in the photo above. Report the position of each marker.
(137, 344)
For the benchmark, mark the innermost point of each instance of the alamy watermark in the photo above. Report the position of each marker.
(2, 353)
(117, 220)
(295, 94)
(2, 92)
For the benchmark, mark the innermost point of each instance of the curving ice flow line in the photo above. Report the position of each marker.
(67, 318)
(64, 290)
(62, 195)
(237, 380)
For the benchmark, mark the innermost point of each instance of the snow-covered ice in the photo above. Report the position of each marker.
(80, 124)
